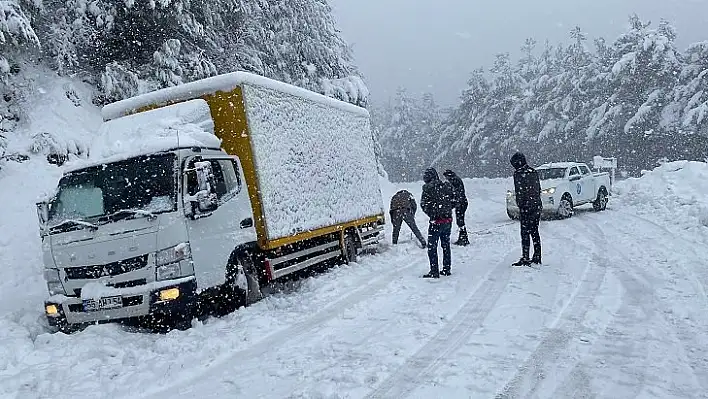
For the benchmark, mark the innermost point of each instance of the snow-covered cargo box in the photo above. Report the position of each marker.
(308, 159)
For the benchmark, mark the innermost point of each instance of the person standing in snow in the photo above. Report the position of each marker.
(528, 198)
(460, 199)
(402, 209)
(437, 203)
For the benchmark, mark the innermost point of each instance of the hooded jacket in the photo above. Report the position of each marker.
(526, 184)
(437, 198)
(403, 201)
(458, 187)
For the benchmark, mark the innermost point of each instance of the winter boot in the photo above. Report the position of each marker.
(536, 259)
(445, 272)
(431, 274)
(524, 261)
(463, 239)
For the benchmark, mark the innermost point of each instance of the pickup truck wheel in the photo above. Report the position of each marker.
(565, 208)
(350, 250)
(600, 203)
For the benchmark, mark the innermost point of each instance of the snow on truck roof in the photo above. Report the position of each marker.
(225, 82)
(185, 124)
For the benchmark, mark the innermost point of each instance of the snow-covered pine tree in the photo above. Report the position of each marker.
(691, 95)
(16, 32)
(17, 40)
(168, 42)
(408, 136)
(629, 124)
(167, 68)
(462, 134)
(295, 41)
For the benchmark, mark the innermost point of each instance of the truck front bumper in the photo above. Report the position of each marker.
(63, 310)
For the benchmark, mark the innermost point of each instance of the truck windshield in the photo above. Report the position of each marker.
(551, 173)
(145, 183)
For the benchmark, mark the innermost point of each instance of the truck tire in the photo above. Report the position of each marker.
(600, 203)
(350, 249)
(565, 207)
(243, 286)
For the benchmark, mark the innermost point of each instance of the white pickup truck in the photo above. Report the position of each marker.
(565, 185)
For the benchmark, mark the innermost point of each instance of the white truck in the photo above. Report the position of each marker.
(564, 186)
(203, 193)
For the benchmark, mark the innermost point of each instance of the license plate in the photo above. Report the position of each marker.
(111, 302)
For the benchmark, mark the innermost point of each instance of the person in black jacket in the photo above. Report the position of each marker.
(460, 197)
(402, 209)
(528, 198)
(437, 203)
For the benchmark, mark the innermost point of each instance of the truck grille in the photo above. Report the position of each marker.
(125, 284)
(110, 269)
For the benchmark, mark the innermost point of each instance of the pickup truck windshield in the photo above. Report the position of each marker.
(145, 183)
(551, 173)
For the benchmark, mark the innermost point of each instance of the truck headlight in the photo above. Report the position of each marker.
(55, 288)
(167, 272)
(173, 254)
(54, 285)
(549, 190)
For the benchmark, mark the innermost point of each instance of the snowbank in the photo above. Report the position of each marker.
(59, 116)
(674, 193)
(316, 164)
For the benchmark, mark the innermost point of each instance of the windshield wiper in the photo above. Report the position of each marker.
(74, 223)
(126, 213)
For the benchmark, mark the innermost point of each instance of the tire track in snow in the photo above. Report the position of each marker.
(528, 378)
(637, 283)
(451, 337)
(618, 348)
(289, 333)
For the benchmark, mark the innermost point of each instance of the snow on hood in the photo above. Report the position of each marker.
(186, 124)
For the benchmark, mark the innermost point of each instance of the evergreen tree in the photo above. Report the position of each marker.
(638, 99)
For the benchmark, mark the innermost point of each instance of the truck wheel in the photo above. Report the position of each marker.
(600, 203)
(350, 250)
(565, 208)
(242, 282)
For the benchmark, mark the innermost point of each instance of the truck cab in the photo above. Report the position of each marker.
(564, 186)
(124, 236)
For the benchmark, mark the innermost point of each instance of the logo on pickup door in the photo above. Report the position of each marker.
(579, 188)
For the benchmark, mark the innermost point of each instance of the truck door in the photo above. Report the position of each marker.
(588, 184)
(575, 185)
(214, 233)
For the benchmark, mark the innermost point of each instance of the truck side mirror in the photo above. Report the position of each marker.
(43, 212)
(574, 178)
(206, 199)
(43, 216)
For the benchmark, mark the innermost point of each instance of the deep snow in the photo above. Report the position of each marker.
(617, 310)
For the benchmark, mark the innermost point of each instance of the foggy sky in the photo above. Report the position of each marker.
(433, 45)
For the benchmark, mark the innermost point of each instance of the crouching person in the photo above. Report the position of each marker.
(402, 209)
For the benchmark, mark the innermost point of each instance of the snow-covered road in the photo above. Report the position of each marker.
(617, 310)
